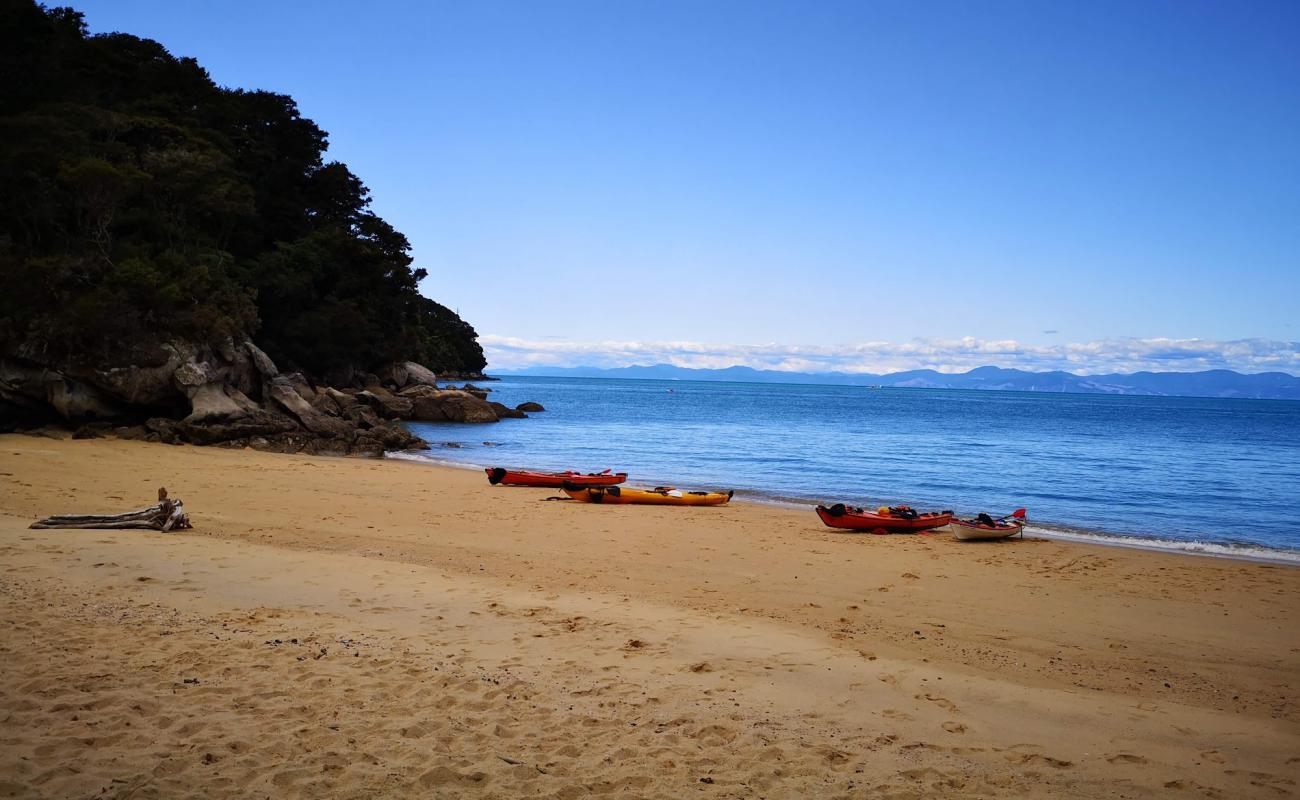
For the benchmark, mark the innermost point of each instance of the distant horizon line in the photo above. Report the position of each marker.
(534, 371)
(1211, 383)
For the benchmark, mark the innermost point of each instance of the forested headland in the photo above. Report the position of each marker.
(151, 219)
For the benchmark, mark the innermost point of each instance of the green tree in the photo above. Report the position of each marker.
(141, 202)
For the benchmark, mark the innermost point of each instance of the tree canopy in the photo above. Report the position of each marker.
(139, 201)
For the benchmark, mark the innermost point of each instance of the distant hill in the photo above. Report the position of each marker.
(1210, 383)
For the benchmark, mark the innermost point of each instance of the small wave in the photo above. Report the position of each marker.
(1250, 552)
(421, 457)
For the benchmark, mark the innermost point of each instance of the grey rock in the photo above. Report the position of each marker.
(214, 402)
(450, 405)
(93, 430)
(73, 399)
(504, 411)
(131, 432)
(393, 374)
(367, 446)
(342, 399)
(418, 375)
(254, 423)
(167, 430)
(385, 403)
(261, 361)
(363, 416)
(281, 390)
(396, 437)
(301, 385)
(326, 404)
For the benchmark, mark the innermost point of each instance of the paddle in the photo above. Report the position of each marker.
(1019, 513)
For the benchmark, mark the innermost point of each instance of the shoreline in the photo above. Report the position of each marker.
(1055, 532)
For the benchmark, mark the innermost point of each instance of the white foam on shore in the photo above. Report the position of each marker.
(421, 458)
(1248, 552)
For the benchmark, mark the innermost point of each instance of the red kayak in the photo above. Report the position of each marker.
(554, 480)
(896, 519)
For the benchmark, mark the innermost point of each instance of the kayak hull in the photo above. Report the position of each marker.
(618, 495)
(969, 531)
(551, 480)
(859, 520)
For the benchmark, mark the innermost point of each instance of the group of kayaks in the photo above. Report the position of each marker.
(904, 519)
(603, 487)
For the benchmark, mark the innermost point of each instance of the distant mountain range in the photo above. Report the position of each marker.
(1210, 383)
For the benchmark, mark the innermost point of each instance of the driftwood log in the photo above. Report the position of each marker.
(167, 515)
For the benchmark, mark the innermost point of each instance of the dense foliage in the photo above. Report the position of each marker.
(139, 201)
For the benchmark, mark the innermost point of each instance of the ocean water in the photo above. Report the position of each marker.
(1217, 476)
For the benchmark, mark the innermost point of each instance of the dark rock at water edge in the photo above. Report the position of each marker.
(234, 396)
(506, 412)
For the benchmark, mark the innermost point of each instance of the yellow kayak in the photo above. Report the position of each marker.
(660, 496)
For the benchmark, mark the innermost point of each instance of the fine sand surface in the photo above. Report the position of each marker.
(353, 628)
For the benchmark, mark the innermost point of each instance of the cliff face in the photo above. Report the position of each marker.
(146, 212)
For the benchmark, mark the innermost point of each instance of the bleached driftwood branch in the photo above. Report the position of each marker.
(167, 515)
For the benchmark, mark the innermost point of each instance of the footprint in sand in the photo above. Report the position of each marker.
(953, 727)
(941, 702)
(1038, 758)
(1126, 758)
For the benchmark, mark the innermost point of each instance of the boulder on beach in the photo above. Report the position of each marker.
(385, 403)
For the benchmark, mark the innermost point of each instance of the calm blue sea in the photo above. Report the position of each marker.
(1189, 473)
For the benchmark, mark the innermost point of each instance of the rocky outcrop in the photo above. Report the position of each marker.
(212, 431)
(37, 390)
(284, 392)
(529, 406)
(233, 395)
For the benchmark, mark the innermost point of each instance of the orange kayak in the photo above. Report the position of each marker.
(553, 480)
(897, 519)
(661, 496)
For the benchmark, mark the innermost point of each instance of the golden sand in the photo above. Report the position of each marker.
(352, 628)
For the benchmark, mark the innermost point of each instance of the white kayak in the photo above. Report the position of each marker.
(985, 527)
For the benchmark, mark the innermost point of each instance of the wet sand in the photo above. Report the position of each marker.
(353, 628)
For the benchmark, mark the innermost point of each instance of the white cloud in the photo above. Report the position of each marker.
(944, 355)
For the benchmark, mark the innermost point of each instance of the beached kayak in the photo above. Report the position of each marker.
(661, 496)
(986, 527)
(553, 480)
(895, 519)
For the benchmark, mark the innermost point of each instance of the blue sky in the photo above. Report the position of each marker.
(815, 175)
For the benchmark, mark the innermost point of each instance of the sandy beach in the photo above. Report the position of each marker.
(359, 628)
